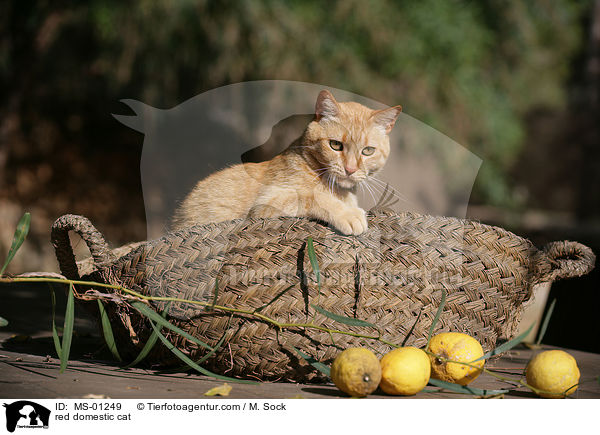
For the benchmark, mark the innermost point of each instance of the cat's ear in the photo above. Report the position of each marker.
(386, 118)
(326, 106)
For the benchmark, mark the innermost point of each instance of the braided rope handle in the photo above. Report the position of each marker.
(569, 259)
(62, 244)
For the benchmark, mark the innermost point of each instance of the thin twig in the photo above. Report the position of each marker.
(310, 325)
(137, 295)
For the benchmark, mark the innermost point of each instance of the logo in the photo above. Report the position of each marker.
(26, 414)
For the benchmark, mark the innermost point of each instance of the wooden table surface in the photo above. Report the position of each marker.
(29, 367)
(27, 375)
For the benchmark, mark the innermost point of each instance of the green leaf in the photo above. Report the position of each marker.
(464, 389)
(18, 239)
(191, 363)
(215, 349)
(545, 322)
(437, 317)
(57, 344)
(313, 261)
(212, 352)
(214, 302)
(343, 319)
(3, 322)
(67, 330)
(153, 315)
(149, 344)
(506, 346)
(107, 330)
(313, 362)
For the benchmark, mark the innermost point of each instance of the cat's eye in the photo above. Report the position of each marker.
(367, 151)
(336, 145)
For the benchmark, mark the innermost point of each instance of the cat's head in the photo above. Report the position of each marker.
(348, 140)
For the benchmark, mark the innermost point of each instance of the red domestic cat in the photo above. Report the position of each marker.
(315, 177)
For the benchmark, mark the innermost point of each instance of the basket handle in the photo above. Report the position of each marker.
(62, 244)
(569, 259)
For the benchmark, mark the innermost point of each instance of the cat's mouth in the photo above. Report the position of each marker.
(342, 179)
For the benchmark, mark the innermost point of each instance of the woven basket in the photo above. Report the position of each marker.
(391, 276)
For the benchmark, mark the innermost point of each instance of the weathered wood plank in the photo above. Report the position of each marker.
(27, 375)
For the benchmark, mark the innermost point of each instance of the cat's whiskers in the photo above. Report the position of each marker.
(366, 188)
(381, 186)
(319, 173)
(390, 190)
(331, 183)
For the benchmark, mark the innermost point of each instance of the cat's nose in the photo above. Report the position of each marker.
(350, 169)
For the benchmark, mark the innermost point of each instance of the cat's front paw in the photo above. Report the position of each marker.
(352, 221)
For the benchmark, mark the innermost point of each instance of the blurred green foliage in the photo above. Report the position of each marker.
(470, 69)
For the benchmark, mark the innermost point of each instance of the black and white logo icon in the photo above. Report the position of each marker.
(25, 414)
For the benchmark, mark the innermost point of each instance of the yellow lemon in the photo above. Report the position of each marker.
(555, 372)
(404, 371)
(455, 346)
(356, 371)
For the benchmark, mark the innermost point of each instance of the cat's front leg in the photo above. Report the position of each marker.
(350, 220)
(345, 216)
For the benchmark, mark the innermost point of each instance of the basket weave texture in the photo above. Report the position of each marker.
(391, 276)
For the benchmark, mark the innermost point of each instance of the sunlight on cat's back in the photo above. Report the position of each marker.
(224, 195)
